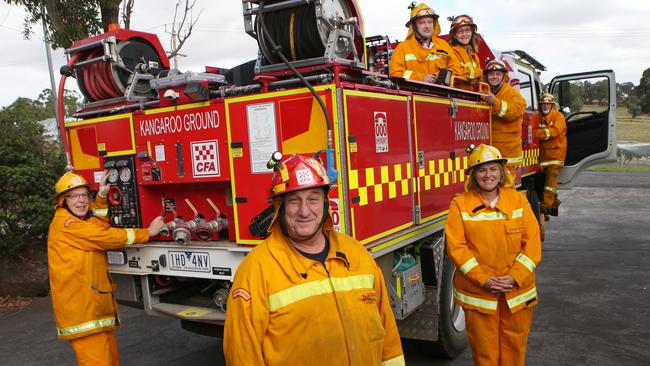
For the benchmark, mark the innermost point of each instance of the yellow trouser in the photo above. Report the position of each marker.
(99, 349)
(550, 188)
(498, 339)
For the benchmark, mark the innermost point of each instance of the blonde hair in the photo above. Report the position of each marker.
(471, 184)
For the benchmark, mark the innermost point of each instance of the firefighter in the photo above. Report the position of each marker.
(493, 239)
(552, 134)
(422, 56)
(507, 108)
(464, 41)
(84, 305)
(308, 295)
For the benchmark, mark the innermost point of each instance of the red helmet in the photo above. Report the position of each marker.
(296, 173)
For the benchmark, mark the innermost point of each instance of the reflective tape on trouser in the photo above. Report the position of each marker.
(552, 162)
(86, 327)
(515, 161)
(397, 361)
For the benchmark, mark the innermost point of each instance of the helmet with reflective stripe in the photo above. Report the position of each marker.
(460, 21)
(496, 65)
(297, 173)
(547, 98)
(482, 154)
(420, 11)
(67, 182)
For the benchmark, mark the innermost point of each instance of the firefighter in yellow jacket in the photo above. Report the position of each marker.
(464, 41)
(308, 295)
(84, 306)
(507, 108)
(552, 135)
(422, 55)
(493, 238)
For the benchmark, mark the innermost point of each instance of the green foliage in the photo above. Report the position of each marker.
(68, 20)
(29, 166)
(643, 91)
(633, 106)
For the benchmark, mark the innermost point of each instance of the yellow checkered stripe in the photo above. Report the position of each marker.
(439, 173)
(381, 183)
(531, 157)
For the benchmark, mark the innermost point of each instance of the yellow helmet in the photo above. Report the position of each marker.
(68, 182)
(482, 154)
(547, 98)
(420, 11)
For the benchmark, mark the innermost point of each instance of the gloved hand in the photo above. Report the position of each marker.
(103, 185)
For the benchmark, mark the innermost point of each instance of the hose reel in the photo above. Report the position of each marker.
(309, 32)
(116, 66)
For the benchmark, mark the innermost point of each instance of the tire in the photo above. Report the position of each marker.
(452, 337)
(531, 195)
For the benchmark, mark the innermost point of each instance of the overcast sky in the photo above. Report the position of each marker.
(566, 36)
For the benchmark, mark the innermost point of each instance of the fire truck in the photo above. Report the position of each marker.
(194, 147)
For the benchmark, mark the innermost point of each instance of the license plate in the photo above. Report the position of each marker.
(189, 261)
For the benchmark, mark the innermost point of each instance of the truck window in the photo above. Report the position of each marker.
(526, 89)
(583, 96)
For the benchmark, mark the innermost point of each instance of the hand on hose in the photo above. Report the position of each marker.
(103, 185)
(155, 226)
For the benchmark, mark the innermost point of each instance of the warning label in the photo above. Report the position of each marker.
(381, 132)
(205, 159)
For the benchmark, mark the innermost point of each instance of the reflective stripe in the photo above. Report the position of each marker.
(469, 265)
(504, 108)
(517, 160)
(130, 236)
(471, 66)
(100, 212)
(408, 74)
(432, 57)
(315, 288)
(410, 57)
(517, 213)
(85, 327)
(526, 262)
(517, 300)
(397, 361)
(475, 301)
(550, 189)
(552, 162)
(484, 216)
(548, 133)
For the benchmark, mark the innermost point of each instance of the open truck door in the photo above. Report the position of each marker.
(588, 101)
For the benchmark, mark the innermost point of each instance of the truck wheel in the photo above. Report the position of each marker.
(452, 338)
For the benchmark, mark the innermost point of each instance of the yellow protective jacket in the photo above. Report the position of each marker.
(285, 309)
(82, 291)
(412, 61)
(507, 117)
(552, 134)
(484, 241)
(470, 66)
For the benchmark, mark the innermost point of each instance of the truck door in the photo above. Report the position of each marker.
(588, 101)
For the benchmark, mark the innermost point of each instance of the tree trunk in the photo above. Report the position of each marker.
(110, 10)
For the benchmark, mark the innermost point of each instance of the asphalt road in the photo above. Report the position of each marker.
(593, 281)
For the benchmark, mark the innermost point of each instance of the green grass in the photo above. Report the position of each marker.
(616, 168)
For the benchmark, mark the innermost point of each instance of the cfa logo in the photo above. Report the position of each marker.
(205, 159)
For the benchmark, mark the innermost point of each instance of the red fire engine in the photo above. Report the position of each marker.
(195, 146)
